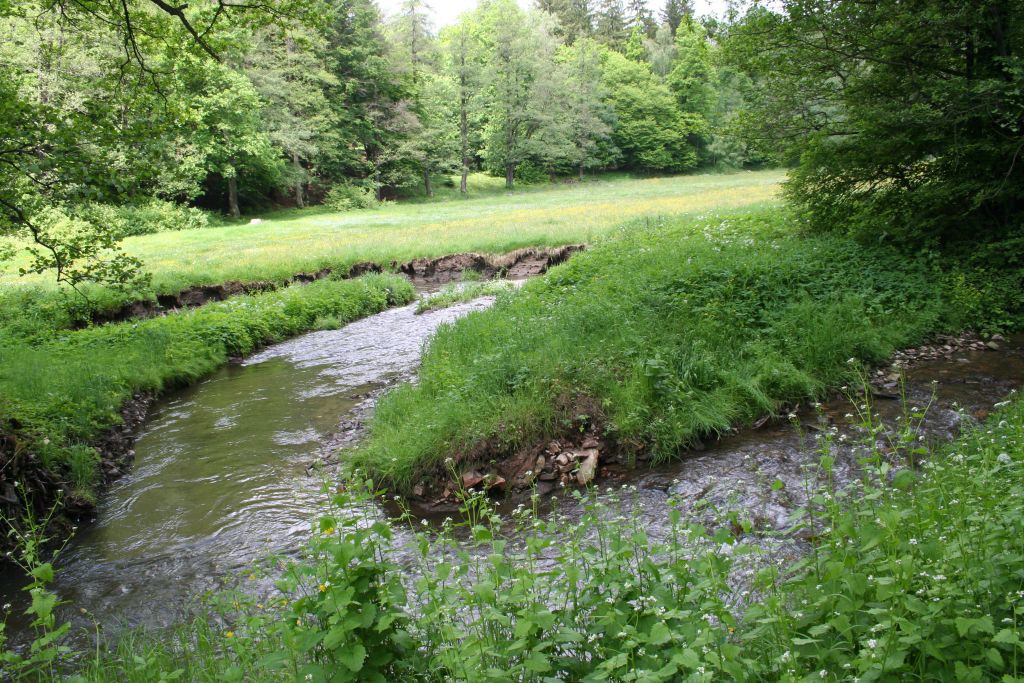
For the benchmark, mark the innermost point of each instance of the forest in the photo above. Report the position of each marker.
(586, 340)
(333, 103)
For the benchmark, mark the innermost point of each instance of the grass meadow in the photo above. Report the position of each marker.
(293, 241)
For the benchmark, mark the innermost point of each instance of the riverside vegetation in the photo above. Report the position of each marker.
(608, 602)
(62, 388)
(901, 126)
(915, 572)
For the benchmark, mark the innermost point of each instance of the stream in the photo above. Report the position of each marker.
(221, 471)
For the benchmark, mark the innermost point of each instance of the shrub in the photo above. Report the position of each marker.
(348, 196)
(152, 216)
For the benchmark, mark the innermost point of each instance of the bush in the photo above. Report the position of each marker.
(348, 196)
(153, 216)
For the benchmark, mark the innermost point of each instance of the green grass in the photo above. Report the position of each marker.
(289, 242)
(660, 335)
(65, 391)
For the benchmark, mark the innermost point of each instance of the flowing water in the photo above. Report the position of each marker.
(221, 478)
(221, 474)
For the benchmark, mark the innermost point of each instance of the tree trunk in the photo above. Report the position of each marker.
(510, 175)
(233, 197)
(581, 171)
(463, 185)
(464, 138)
(300, 201)
(426, 184)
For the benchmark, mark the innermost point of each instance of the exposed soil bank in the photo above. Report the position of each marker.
(515, 265)
(582, 455)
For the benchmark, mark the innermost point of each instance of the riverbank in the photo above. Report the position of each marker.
(68, 405)
(659, 337)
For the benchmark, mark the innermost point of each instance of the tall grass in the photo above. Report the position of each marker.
(665, 333)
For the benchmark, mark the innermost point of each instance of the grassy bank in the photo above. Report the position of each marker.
(916, 574)
(57, 396)
(661, 335)
(291, 242)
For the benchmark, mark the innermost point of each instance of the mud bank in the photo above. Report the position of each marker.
(516, 265)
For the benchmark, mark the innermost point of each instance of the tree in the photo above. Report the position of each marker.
(635, 48)
(650, 130)
(675, 12)
(610, 22)
(228, 128)
(905, 118)
(369, 98)
(523, 101)
(465, 69)
(640, 15)
(291, 77)
(661, 51)
(589, 118)
(59, 156)
(575, 17)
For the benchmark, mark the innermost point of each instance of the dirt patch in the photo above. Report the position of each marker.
(516, 265)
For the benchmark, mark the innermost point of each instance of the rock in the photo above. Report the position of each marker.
(998, 338)
(588, 468)
(590, 442)
(993, 345)
(539, 465)
(471, 478)
(495, 483)
(562, 460)
(554, 448)
(255, 221)
(418, 490)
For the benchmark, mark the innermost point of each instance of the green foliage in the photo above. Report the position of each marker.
(151, 217)
(346, 196)
(904, 117)
(917, 573)
(674, 330)
(650, 131)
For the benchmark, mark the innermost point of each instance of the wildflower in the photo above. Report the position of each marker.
(329, 531)
(424, 522)
(1004, 458)
(786, 656)
(823, 673)
(229, 634)
(913, 541)
(872, 643)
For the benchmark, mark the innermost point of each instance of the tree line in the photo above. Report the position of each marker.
(900, 120)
